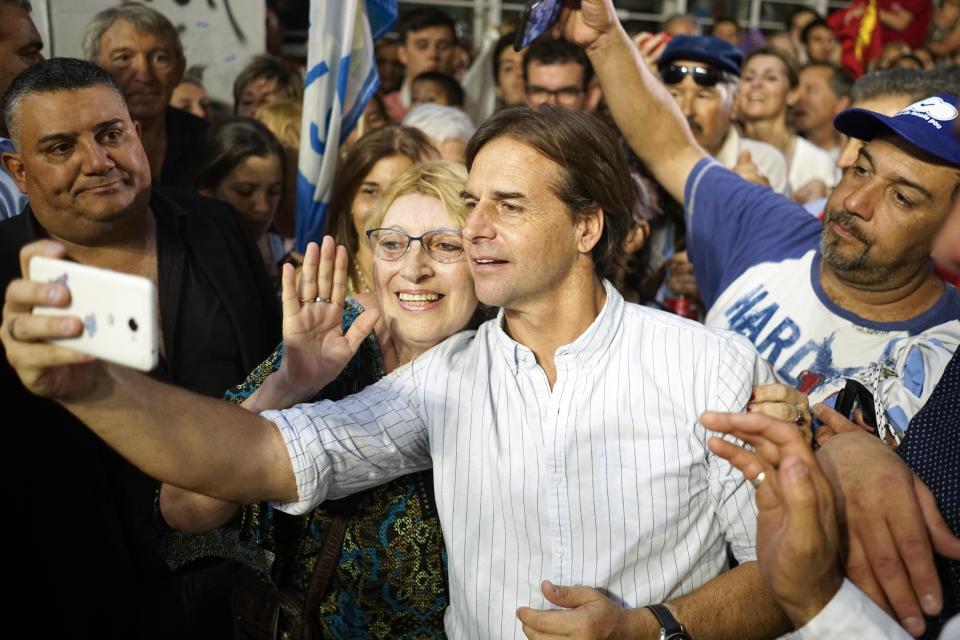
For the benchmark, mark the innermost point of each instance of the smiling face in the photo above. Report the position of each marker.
(253, 188)
(523, 243)
(423, 301)
(80, 161)
(764, 89)
(881, 219)
(144, 65)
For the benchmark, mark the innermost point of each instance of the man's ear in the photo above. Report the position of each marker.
(14, 166)
(136, 127)
(402, 54)
(637, 237)
(793, 96)
(589, 230)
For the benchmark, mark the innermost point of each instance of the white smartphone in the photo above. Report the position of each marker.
(119, 311)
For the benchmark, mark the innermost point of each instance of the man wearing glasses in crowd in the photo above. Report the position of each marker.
(702, 73)
(557, 72)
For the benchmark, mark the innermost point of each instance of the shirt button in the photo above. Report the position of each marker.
(557, 479)
(557, 552)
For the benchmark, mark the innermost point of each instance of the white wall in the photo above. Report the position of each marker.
(205, 28)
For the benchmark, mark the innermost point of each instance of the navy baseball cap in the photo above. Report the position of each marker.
(928, 125)
(707, 49)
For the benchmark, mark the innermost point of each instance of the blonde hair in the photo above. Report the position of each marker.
(283, 120)
(439, 179)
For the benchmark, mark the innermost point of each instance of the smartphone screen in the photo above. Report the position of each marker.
(537, 18)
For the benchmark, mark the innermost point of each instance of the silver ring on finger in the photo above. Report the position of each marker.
(756, 482)
(799, 419)
(317, 299)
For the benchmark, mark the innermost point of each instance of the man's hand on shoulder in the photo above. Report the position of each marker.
(587, 614)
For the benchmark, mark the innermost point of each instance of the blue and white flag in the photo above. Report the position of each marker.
(341, 78)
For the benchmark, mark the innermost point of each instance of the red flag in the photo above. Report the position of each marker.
(857, 29)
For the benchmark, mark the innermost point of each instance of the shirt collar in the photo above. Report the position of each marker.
(583, 352)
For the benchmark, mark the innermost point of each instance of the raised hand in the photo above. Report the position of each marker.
(584, 22)
(798, 542)
(315, 347)
(45, 369)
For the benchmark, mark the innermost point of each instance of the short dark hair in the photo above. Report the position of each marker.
(840, 80)
(48, 76)
(447, 82)
(818, 23)
(912, 83)
(593, 168)
(420, 19)
(796, 11)
(793, 75)
(23, 4)
(548, 51)
(721, 19)
(228, 143)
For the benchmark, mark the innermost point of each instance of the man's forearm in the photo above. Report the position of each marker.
(734, 605)
(201, 444)
(644, 112)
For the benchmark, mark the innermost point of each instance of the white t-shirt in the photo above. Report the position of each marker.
(810, 162)
(757, 262)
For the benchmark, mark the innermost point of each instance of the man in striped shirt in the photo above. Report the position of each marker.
(564, 436)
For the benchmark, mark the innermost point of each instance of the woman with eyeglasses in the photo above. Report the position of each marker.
(390, 575)
(363, 174)
(768, 89)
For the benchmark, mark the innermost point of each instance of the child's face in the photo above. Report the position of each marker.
(424, 91)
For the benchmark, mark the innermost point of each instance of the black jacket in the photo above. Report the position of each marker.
(79, 518)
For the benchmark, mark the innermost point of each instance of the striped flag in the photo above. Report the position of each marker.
(340, 80)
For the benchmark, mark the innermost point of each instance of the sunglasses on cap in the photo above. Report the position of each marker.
(703, 76)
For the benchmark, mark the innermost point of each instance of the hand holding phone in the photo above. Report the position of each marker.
(118, 310)
(537, 18)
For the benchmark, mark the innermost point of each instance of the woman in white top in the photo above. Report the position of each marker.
(768, 88)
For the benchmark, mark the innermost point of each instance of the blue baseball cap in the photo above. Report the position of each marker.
(713, 51)
(927, 124)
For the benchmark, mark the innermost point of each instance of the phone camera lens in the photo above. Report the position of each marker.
(132, 324)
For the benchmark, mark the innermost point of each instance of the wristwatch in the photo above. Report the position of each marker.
(670, 629)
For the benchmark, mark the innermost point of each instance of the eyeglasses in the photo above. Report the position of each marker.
(442, 245)
(703, 76)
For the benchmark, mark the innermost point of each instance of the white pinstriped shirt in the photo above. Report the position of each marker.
(605, 480)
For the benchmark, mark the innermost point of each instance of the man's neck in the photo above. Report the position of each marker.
(556, 319)
(824, 136)
(130, 250)
(914, 296)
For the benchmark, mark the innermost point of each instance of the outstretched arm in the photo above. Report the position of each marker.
(179, 437)
(643, 110)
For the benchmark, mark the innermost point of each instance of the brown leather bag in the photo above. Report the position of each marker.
(264, 611)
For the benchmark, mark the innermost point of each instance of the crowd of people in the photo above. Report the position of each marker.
(574, 358)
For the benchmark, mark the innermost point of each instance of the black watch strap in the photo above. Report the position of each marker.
(670, 629)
